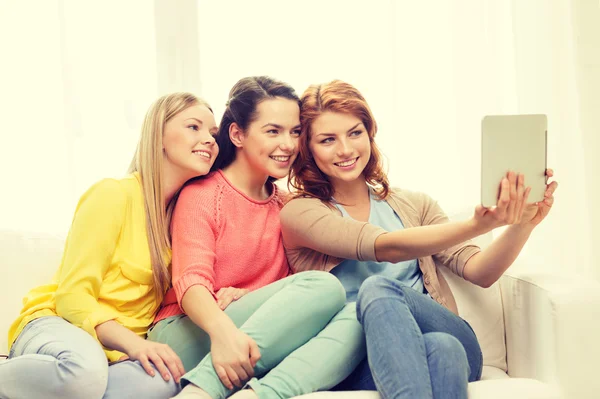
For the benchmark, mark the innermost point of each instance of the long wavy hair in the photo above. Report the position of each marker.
(336, 96)
(148, 161)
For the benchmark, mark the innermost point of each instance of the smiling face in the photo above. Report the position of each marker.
(270, 143)
(189, 143)
(340, 146)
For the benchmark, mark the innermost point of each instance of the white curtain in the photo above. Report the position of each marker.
(76, 78)
(81, 74)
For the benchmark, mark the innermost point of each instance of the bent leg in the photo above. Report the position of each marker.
(319, 364)
(448, 366)
(53, 359)
(297, 311)
(129, 380)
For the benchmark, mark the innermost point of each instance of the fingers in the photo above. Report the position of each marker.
(223, 377)
(225, 301)
(504, 198)
(233, 377)
(240, 292)
(173, 363)
(242, 374)
(160, 366)
(549, 194)
(227, 295)
(248, 369)
(520, 196)
(549, 172)
(146, 365)
(551, 189)
(254, 353)
(526, 197)
(224, 292)
(510, 211)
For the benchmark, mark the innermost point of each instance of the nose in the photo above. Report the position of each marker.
(208, 139)
(343, 148)
(288, 143)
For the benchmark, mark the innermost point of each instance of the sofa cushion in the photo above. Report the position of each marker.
(513, 388)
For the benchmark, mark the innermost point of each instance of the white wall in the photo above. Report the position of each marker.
(77, 77)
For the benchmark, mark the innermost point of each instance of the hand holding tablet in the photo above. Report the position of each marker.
(514, 143)
(513, 168)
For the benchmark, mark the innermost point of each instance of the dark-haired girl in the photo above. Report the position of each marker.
(235, 315)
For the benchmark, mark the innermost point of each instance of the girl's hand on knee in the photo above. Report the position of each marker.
(234, 355)
(161, 355)
(227, 295)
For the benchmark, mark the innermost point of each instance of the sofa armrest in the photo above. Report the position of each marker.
(553, 330)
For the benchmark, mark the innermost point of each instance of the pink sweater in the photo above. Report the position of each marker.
(223, 238)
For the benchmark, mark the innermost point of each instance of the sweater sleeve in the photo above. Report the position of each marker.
(454, 258)
(88, 254)
(194, 235)
(309, 223)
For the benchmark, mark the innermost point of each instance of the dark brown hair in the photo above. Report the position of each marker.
(244, 97)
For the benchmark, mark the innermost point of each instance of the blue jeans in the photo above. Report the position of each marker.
(416, 348)
(54, 359)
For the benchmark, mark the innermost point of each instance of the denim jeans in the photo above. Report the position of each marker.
(416, 348)
(54, 359)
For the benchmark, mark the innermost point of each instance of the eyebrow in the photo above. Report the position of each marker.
(196, 119)
(333, 134)
(275, 125)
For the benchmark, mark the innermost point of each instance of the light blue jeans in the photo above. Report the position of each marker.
(416, 348)
(53, 359)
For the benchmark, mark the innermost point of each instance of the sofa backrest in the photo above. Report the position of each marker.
(28, 260)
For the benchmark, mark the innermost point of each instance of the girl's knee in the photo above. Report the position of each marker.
(377, 287)
(129, 380)
(331, 292)
(83, 381)
(447, 347)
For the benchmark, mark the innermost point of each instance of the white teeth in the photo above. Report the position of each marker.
(347, 163)
(280, 158)
(204, 154)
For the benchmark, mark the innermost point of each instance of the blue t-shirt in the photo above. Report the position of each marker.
(352, 273)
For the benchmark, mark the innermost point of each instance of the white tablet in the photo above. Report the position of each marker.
(517, 143)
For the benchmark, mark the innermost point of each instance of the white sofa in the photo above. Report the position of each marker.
(539, 333)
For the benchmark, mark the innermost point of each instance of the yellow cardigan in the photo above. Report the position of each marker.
(105, 273)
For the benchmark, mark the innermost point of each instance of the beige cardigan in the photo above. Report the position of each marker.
(318, 237)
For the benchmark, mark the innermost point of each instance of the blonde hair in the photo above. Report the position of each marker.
(148, 161)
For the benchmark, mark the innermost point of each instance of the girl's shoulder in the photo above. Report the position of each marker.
(415, 198)
(296, 206)
(203, 185)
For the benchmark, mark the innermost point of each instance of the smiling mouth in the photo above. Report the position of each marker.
(280, 158)
(349, 162)
(202, 153)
